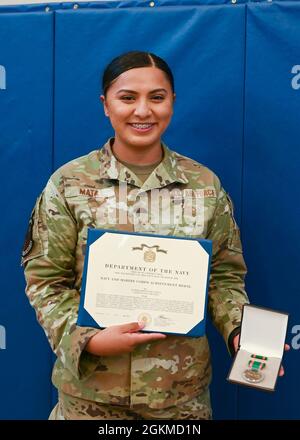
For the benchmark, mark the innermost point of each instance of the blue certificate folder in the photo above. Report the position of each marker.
(84, 317)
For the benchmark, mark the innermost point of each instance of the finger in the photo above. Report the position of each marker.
(236, 343)
(287, 347)
(131, 327)
(281, 372)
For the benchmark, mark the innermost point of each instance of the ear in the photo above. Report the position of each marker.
(103, 100)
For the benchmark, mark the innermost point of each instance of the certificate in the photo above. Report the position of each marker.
(160, 280)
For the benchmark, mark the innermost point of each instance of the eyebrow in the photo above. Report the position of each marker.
(132, 91)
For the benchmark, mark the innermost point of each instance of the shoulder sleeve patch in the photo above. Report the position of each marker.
(33, 245)
(28, 243)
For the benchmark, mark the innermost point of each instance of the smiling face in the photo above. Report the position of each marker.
(139, 104)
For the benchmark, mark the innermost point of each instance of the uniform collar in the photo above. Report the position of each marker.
(168, 171)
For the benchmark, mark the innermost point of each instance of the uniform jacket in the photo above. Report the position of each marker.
(97, 191)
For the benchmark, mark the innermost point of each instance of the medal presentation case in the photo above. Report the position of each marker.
(261, 347)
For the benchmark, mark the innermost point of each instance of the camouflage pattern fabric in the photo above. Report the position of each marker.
(73, 408)
(98, 191)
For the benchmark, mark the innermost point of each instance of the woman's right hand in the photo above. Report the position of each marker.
(120, 339)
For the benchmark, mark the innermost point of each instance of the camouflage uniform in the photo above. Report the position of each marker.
(86, 192)
(73, 408)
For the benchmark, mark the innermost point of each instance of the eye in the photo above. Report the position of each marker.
(127, 98)
(158, 97)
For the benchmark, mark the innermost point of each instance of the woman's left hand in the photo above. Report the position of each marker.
(236, 345)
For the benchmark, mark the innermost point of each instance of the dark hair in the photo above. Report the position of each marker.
(132, 60)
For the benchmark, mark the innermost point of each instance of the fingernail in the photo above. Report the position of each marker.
(141, 324)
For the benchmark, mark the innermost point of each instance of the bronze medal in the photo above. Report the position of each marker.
(253, 376)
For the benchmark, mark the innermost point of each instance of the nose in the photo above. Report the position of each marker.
(142, 108)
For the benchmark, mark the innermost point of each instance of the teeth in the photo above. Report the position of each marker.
(141, 125)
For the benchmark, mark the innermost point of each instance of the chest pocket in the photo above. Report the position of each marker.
(197, 208)
(91, 206)
(104, 211)
(94, 207)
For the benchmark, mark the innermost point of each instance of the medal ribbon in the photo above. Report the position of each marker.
(257, 356)
(256, 365)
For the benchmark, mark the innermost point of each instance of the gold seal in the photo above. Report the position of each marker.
(144, 317)
(253, 376)
(149, 256)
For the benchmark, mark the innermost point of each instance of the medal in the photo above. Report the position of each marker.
(253, 376)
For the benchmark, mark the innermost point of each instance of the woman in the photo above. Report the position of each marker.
(118, 372)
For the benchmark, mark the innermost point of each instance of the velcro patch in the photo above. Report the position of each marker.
(28, 243)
